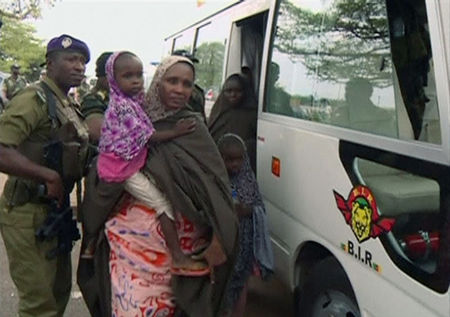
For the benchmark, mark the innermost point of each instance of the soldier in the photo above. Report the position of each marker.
(40, 116)
(83, 89)
(95, 102)
(14, 83)
(42, 74)
(197, 100)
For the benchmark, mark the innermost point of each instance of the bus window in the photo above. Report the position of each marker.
(413, 201)
(168, 46)
(210, 50)
(366, 69)
(184, 41)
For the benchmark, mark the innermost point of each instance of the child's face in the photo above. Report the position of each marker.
(128, 73)
(233, 92)
(233, 157)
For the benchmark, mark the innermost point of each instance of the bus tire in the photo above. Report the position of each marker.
(327, 292)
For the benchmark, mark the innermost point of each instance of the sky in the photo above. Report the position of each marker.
(139, 26)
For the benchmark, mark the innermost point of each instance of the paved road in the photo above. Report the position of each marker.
(265, 299)
(8, 293)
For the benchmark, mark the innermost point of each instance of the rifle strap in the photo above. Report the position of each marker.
(51, 103)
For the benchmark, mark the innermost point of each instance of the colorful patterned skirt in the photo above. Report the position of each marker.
(140, 261)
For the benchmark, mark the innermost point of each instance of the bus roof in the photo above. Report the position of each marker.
(205, 18)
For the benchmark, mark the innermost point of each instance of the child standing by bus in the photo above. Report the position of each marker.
(255, 251)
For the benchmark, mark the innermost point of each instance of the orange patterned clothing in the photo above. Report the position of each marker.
(140, 261)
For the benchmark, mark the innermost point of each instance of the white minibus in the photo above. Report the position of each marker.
(353, 144)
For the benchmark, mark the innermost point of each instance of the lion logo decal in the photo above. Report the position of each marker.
(361, 213)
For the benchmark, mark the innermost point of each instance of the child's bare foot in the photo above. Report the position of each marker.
(213, 254)
(188, 263)
(183, 265)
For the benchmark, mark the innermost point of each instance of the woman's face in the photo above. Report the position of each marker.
(233, 92)
(176, 86)
(233, 157)
(128, 73)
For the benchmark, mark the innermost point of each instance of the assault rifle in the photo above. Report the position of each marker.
(59, 222)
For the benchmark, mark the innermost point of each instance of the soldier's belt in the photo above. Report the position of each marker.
(19, 191)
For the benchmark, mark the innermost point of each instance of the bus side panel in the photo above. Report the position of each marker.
(367, 286)
(301, 207)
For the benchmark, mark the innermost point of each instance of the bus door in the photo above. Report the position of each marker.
(246, 48)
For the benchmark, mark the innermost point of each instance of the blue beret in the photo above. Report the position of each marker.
(67, 42)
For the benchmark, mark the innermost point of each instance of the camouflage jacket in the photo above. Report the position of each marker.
(13, 86)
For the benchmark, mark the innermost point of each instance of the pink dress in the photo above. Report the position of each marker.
(140, 261)
(113, 168)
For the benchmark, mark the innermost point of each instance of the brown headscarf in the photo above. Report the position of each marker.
(240, 119)
(221, 106)
(154, 107)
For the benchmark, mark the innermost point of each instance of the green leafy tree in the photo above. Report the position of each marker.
(209, 70)
(349, 40)
(18, 44)
(23, 9)
(17, 41)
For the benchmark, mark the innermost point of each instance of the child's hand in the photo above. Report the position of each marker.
(184, 126)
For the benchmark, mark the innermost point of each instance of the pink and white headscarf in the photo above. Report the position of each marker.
(126, 128)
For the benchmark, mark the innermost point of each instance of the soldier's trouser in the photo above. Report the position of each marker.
(43, 286)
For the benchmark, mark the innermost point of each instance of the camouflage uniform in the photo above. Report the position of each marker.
(94, 103)
(83, 90)
(93, 107)
(13, 86)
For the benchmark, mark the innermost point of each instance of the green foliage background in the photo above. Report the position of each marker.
(350, 40)
(209, 70)
(18, 44)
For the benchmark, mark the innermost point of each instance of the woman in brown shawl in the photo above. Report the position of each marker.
(235, 111)
(189, 170)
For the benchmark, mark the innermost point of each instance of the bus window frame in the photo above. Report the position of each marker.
(197, 30)
(234, 20)
(437, 153)
(210, 23)
(182, 34)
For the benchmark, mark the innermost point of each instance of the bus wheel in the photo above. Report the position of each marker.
(327, 292)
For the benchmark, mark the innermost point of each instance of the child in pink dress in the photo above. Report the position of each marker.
(126, 131)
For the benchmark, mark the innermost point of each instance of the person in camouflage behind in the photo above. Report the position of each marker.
(14, 83)
(95, 102)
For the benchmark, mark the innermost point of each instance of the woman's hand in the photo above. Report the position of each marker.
(184, 126)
